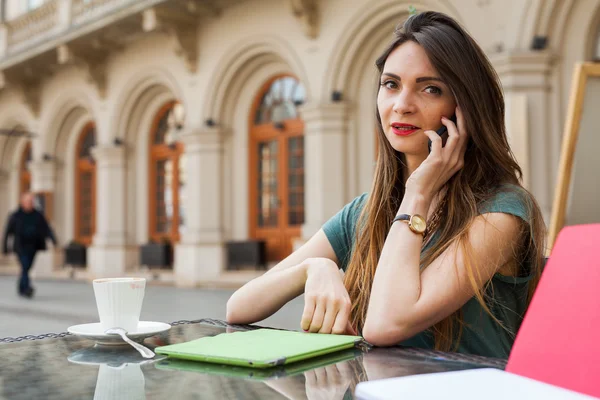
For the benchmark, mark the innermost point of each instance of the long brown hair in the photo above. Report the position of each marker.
(488, 165)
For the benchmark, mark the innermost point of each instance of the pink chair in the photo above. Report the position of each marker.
(559, 340)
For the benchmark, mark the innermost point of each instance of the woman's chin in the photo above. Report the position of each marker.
(405, 146)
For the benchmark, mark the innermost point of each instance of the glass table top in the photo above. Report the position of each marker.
(68, 367)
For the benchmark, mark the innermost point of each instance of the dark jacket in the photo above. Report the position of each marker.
(29, 230)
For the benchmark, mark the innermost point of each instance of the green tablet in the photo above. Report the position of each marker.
(234, 371)
(261, 348)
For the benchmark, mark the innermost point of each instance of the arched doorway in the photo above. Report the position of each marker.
(167, 181)
(277, 165)
(85, 186)
(24, 172)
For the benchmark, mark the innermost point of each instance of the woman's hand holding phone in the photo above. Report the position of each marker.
(443, 133)
(326, 301)
(443, 161)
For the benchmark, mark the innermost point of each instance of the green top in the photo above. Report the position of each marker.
(481, 334)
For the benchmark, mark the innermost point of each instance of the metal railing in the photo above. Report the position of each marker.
(54, 18)
(29, 27)
(84, 11)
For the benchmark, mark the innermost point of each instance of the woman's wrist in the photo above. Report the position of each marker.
(414, 203)
(318, 265)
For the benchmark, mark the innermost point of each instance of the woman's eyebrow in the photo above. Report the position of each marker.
(429, 78)
(419, 80)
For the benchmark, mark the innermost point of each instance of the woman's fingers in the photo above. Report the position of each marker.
(341, 319)
(453, 135)
(321, 375)
(436, 144)
(311, 377)
(318, 316)
(329, 319)
(326, 316)
(309, 310)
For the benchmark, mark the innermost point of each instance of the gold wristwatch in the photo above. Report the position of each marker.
(416, 223)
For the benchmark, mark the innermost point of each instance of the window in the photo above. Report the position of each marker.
(280, 101)
(167, 181)
(24, 173)
(85, 186)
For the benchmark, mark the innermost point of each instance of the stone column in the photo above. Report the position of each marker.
(3, 39)
(43, 179)
(107, 257)
(200, 254)
(64, 14)
(526, 82)
(325, 132)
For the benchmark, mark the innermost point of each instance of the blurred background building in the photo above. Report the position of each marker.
(195, 123)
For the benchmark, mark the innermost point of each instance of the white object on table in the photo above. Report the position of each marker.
(94, 331)
(119, 302)
(474, 384)
(143, 350)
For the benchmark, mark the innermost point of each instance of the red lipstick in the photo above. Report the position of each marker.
(404, 129)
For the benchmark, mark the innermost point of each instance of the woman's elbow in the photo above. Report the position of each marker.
(233, 314)
(384, 334)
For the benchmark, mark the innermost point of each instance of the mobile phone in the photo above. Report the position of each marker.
(443, 133)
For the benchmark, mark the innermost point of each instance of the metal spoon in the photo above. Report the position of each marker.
(144, 351)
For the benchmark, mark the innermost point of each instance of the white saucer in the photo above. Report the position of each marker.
(95, 332)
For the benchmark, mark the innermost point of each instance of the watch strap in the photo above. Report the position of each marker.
(402, 217)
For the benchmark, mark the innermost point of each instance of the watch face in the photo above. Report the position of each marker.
(418, 223)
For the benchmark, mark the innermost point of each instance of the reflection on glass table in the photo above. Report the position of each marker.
(120, 375)
(69, 367)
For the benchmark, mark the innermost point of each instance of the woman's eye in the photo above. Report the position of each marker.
(433, 90)
(389, 84)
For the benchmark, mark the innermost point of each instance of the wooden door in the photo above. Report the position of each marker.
(85, 187)
(277, 166)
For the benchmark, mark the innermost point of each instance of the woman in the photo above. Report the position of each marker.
(461, 276)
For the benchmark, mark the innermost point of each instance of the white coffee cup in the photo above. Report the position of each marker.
(124, 382)
(119, 302)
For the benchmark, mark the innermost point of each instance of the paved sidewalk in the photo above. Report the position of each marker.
(60, 304)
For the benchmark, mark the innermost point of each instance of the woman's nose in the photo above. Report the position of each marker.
(404, 103)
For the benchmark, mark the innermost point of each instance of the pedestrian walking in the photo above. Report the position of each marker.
(29, 230)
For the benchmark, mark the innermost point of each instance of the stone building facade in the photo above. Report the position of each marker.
(199, 122)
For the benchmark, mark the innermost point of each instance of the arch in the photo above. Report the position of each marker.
(11, 150)
(368, 29)
(572, 21)
(135, 109)
(244, 58)
(139, 88)
(64, 121)
(14, 116)
(536, 21)
(57, 119)
(239, 75)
